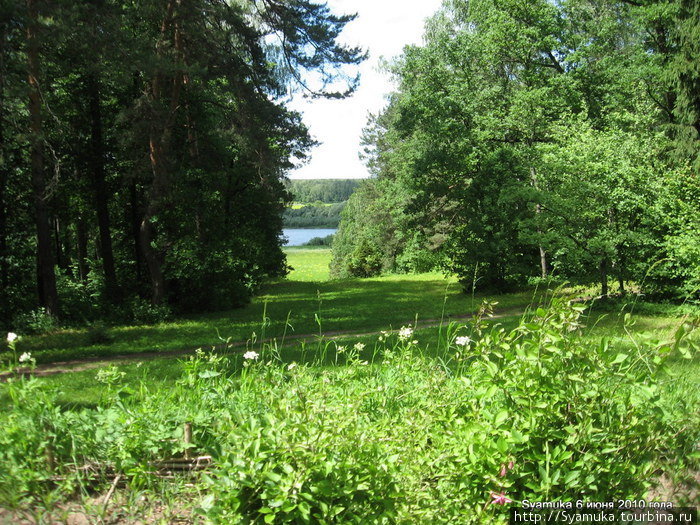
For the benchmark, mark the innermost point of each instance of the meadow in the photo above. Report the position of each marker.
(396, 399)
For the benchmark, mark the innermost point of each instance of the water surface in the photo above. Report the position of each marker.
(299, 236)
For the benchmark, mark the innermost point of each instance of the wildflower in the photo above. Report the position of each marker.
(359, 347)
(505, 469)
(25, 357)
(291, 366)
(405, 333)
(414, 342)
(463, 340)
(498, 498)
(250, 354)
(12, 337)
(341, 349)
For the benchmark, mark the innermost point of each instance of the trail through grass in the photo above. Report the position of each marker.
(304, 303)
(308, 303)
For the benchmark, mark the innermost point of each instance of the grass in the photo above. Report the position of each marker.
(300, 205)
(410, 424)
(411, 428)
(308, 303)
(293, 305)
(309, 264)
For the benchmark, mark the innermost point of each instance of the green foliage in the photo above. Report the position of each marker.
(372, 237)
(530, 138)
(684, 72)
(35, 322)
(383, 435)
(676, 269)
(314, 216)
(143, 312)
(322, 190)
(320, 241)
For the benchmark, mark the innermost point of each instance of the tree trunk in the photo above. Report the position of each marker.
(46, 278)
(543, 261)
(604, 276)
(538, 210)
(82, 249)
(133, 219)
(4, 179)
(97, 170)
(159, 143)
(61, 261)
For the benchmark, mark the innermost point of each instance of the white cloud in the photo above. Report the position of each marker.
(383, 27)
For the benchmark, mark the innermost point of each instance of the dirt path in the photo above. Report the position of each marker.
(90, 363)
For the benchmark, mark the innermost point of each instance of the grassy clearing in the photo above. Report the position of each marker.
(314, 305)
(309, 264)
(293, 305)
(364, 427)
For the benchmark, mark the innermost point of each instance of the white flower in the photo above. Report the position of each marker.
(414, 342)
(359, 347)
(12, 337)
(340, 349)
(405, 333)
(251, 355)
(463, 340)
(291, 366)
(25, 357)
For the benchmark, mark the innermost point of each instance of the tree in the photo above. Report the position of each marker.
(46, 277)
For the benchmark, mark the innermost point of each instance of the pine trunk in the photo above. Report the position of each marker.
(604, 277)
(46, 278)
(97, 170)
(159, 149)
(4, 179)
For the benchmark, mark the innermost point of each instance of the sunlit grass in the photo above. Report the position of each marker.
(308, 303)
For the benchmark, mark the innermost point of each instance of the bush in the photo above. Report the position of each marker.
(320, 241)
(36, 322)
(143, 312)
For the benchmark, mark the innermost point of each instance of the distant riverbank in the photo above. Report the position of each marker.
(300, 236)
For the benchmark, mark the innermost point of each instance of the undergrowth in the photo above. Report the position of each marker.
(383, 434)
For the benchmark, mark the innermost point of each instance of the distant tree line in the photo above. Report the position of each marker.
(143, 147)
(322, 190)
(314, 216)
(534, 138)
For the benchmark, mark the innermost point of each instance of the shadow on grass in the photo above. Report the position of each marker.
(343, 305)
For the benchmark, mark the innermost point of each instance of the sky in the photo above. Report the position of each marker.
(383, 28)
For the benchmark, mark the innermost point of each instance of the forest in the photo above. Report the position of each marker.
(318, 203)
(328, 191)
(144, 148)
(532, 140)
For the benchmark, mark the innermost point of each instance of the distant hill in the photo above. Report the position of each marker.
(314, 216)
(318, 202)
(328, 191)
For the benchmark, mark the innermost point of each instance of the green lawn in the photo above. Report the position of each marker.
(308, 264)
(308, 303)
(292, 305)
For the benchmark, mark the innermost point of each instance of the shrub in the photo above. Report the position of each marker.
(37, 321)
(143, 312)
